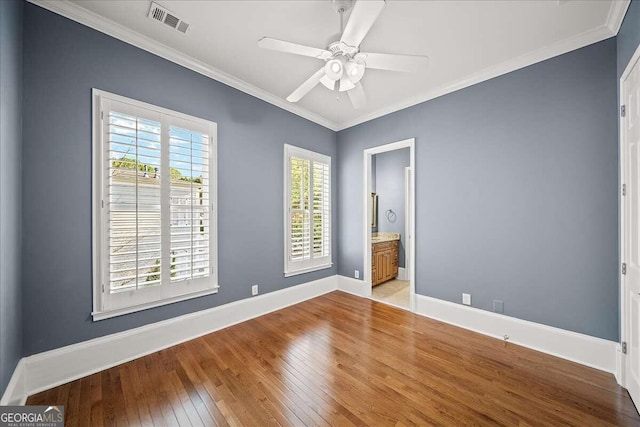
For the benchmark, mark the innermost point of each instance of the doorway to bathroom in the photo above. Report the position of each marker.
(388, 223)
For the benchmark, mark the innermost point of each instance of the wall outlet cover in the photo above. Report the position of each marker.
(466, 299)
(357, 274)
(254, 290)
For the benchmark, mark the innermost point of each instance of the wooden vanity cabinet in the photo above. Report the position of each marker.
(384, 261)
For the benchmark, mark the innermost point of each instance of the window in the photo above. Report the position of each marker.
(154, 195)
(307, 211)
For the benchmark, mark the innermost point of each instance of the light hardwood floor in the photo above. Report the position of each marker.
(344, 360)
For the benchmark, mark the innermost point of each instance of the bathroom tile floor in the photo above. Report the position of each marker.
(394, 292)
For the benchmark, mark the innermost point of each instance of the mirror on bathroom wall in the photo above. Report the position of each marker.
(373, 206)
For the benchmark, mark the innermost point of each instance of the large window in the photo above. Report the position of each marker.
(307, 179)
(154, 193)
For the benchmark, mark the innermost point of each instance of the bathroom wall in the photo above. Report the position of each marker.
(390, 187)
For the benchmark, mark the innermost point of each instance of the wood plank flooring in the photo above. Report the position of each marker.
(348, 361)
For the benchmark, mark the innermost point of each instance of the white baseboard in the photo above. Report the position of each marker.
(59, 366)
(353, 286)
(15, 394)
(402, 273)
(619, 373)
(584, 349)
(55, 367)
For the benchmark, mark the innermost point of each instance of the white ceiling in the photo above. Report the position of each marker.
(466, 41)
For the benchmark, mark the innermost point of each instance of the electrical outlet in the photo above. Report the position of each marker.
(357, 274)
(498, 306)
(466, 299)
(254, 290)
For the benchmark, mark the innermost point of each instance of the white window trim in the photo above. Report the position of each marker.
(98, 186)
(294, 268)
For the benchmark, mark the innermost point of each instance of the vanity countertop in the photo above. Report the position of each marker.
(384, 237)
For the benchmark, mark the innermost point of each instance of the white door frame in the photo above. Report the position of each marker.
(624, 327)
(366, 217)
(408, 216)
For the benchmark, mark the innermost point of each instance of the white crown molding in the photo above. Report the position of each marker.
(547, 52)
(92, 20)
(77, 13)
(616, 14)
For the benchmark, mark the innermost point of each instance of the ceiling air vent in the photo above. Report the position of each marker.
(161, 14)
(183, 27)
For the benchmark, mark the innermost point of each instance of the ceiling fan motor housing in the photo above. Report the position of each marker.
(339, 48)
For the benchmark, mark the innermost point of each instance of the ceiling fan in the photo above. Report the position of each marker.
(344, 63)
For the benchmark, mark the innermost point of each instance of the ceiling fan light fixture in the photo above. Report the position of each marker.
(334, 69)
(355, 70)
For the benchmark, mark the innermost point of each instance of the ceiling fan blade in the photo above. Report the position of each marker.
(363, 15)
(328, 83)
(306, 87)
(297, 49)
(345, 84)
(393, 62)
(357, 96)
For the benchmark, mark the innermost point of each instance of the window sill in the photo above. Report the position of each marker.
(307, 270)
(101, 315)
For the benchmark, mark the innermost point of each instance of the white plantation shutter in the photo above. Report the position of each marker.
(154, 220)
(299, 210)
(321, 224)
(307, 210)
(190, 218)
(133, 201)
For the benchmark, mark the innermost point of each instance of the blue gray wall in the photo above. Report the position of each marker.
(10, 158)
(628, 37)
(63, 60)
(516, 191)
(389, 177)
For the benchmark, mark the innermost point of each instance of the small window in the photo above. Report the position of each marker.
(307, 179)
(154, 197)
